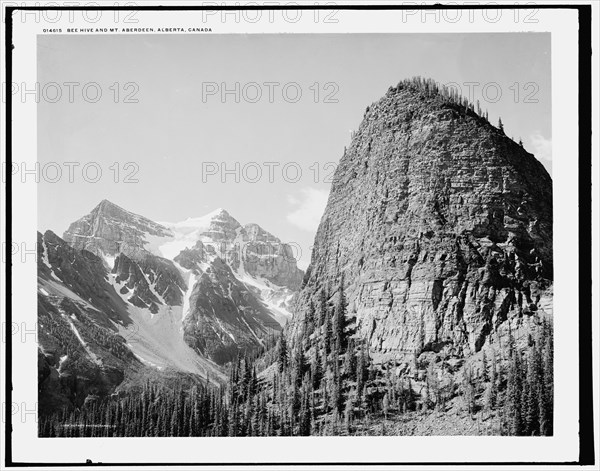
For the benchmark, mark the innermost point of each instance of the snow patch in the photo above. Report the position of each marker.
(91, 354)
(53, 289)
(250, 329)
(157, 339)
(47, 262)
(185, 235)
(109, 259)
(224, 329)
(191, 282)
(152, 289)
(143, 360)
(61, 361)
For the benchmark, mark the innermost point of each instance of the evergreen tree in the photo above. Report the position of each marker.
(361, 371)
(492, 388)
(282, 353)
(336, 391)
(546, 401)
(514, 392)
(299, 366)
(350, 363)
(322, 307)
(328, 338)
(305, 417)
(340, 319)
(316, 370)
(310, 319)
(484, 367)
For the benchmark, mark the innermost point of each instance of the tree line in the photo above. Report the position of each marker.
(322, 381)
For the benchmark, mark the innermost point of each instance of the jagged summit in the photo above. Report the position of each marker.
(106, 204)
(108, 208)
(215, 214)
(109, 229)
(220, 212)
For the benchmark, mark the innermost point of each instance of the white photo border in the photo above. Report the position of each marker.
(563, 25)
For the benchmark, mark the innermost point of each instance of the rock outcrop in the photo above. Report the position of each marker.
(440, 224)
(265, 256)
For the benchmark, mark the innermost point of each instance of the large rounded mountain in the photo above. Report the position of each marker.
(439, 225)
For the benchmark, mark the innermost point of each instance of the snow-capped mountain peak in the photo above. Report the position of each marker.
(198, 222)
(227, 286)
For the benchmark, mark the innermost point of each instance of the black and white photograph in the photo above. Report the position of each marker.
(276, 224)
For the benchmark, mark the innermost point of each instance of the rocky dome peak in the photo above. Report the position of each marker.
(440, 224)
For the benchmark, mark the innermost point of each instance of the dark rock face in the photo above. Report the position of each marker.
(136, 286)
(440, 224)
(165, 278)
(191, 258)
(225, 317)
(150, 281)
(81, 272)
(110, 230)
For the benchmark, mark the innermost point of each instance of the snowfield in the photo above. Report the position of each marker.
(185, 234)
(157, 339)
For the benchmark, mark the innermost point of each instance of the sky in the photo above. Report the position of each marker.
(254, 124)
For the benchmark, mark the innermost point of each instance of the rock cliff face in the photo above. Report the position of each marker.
(266, 256)
(441, 226)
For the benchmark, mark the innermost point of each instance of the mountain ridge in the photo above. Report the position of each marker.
(230, 286)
